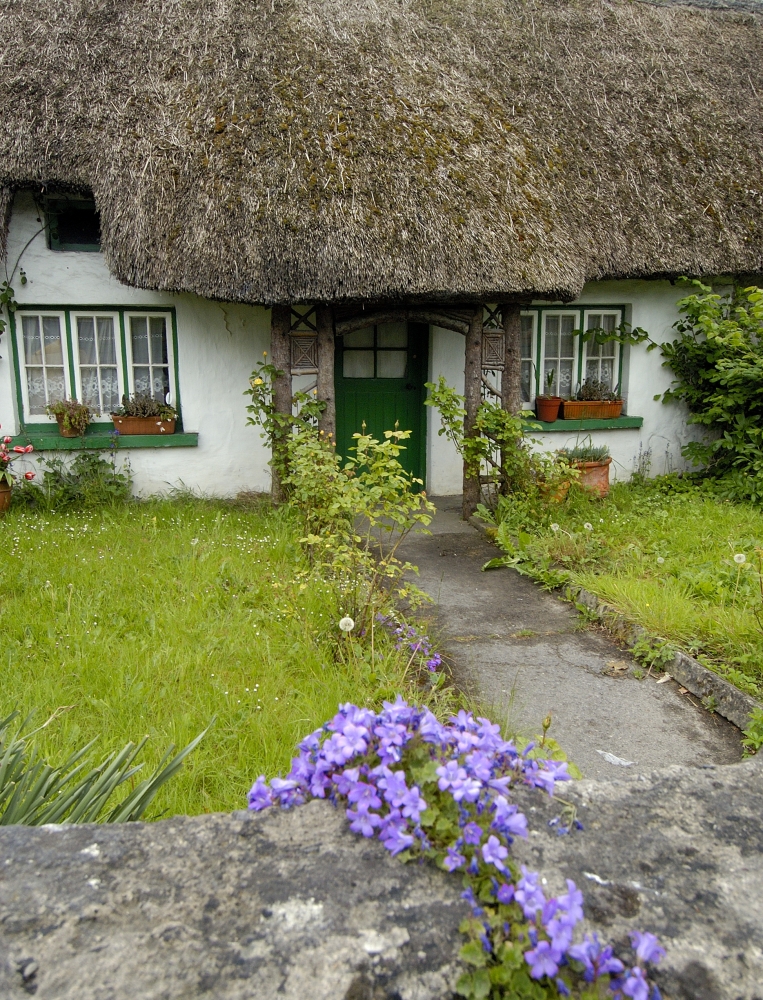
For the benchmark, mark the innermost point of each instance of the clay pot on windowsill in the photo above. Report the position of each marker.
(143, 425)
(594, 476)
(592, 409)
(66, 432)
(5, 497)
(547, 408)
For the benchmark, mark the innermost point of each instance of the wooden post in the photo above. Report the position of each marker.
(280, 357)
(325, 323)
(472, 396)
(511, 377)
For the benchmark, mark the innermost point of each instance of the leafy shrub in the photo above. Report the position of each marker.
(717, 361)
(86, 482)
(34, 792)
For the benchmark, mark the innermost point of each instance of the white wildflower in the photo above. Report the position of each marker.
(554, 527)
(740, 558)
(346, 624)
(588, 526)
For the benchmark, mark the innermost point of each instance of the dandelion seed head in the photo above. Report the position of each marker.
(588, 526)
(554, 527)
(346, 624)
(740, 558)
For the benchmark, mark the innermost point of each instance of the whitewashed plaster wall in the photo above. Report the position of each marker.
(218, 346)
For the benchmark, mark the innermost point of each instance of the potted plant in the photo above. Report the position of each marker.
(142, 414)
(546, 405)
(595, 401)
(593, 462)
(7, 478)
(73, 417)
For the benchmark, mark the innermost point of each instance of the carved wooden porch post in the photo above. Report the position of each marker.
(511, 377)
(325, 323)
(280, 357)
(472, 396)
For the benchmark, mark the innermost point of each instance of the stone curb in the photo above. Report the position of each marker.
(730, 702)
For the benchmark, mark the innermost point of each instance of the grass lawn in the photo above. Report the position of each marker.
(663, 553)
(155, 617)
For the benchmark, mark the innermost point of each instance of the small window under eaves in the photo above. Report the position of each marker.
(73, 224)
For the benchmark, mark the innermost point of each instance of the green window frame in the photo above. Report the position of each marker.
(130, 365)
(534, 354)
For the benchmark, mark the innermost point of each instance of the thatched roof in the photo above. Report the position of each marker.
(297, 150)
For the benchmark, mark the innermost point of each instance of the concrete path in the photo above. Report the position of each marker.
(522, 653)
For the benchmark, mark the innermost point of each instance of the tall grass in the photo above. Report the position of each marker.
(153, 618)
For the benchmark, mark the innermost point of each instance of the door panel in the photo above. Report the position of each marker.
(379, 379)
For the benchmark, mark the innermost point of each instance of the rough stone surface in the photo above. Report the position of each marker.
(522, 654)
(291, 904)
(678, 852)
(287, 904)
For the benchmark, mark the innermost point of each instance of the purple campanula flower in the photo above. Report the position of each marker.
(647, 947)
(635, 984)
(431, 730)
(287, 791)
(363, 822)
(397, 711)
(528, 893)
(260, 796)
(364, 718)
(464, 720)
(393, 786)
(413, 804)
(563, 988)
(508, 819)
(449, 774)
(489, 735)
(500, 785)
(480, 765)
(396, 841)
(505, 893)
(543, 960)
(493, 853)
(364, 796)
(312, 742)
(472, 833)
(560, 932)
(344, 780)
(434, 662)
(453, 859)
(572, 902)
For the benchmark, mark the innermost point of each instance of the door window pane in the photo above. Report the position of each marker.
(43, 361)
(360, 338)
(358, 364)
(392, 335)
(391, 364)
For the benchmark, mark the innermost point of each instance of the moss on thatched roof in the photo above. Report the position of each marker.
(296, 150)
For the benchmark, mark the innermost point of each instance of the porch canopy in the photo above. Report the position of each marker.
(426, 151)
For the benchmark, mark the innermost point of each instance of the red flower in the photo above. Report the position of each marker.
(29, 475)
(7, 440)
(20, 450)
(29, 447)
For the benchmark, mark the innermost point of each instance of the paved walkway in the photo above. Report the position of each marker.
(520, 651)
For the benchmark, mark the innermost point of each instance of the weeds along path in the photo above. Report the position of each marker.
(522, 654)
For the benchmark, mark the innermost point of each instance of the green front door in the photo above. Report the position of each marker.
(379, 380)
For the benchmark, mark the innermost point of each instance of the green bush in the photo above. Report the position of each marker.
(717, 361)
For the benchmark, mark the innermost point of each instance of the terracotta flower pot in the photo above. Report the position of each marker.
(5, 497)
(63, 431)
(594, 476)
(592, 409)
(547, 408)
(143, 425)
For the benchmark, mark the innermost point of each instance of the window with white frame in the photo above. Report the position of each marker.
(559, 353)
(601, 360)
(44, 374)
(548, 344)
(94, 355)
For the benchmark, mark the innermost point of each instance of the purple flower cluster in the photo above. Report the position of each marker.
(408, 636)
(356, 760)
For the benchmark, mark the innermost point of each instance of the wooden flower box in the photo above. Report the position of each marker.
(592, 409)
(143, 425)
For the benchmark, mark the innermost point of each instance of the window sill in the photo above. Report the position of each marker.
(569, 426)
(100, 437)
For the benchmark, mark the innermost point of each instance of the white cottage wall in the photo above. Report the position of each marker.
(218, 346)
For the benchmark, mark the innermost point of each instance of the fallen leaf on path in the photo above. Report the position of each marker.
(664, 679)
